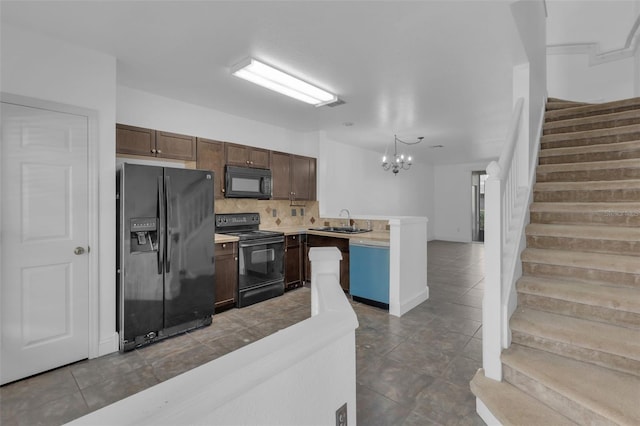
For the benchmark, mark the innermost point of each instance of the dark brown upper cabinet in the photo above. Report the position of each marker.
(280, 175)
(293, 176)
(246, 156)
(210, 156)
(303, 178)
(154, 143)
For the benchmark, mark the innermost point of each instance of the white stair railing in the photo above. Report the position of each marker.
(505, 198)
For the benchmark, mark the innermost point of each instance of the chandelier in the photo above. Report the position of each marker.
(398, 161)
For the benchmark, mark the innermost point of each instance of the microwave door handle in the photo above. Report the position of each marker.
(264, 183)
(167, 194)
(161, 226)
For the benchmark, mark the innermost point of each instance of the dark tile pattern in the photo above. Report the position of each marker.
(413, 370)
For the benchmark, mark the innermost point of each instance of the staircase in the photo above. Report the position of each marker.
(575, 353)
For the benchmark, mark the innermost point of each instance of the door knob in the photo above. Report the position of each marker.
(78, 251)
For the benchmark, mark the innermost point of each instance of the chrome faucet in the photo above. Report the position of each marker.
(348, 216)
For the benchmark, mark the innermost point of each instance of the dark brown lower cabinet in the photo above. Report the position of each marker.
(322, 241)
(293, 266)
(226, 275)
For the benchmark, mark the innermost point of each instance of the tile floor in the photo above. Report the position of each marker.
(413, 370)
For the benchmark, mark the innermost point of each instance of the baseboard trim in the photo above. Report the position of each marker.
(485, 414)
(107, 345)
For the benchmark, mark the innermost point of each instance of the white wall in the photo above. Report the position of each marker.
(42, 68)
(571, 77)
(602, 27)
(352, 178)
(143, 109)
(452, 201)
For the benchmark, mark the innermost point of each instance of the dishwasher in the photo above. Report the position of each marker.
(369, 272)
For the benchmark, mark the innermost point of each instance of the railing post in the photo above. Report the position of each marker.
(492, 300)
(324, 260)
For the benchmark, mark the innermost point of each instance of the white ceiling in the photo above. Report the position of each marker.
(438, 69)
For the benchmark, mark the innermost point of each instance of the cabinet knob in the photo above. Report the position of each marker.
(159, 152)
(153, 150)
(224, 245)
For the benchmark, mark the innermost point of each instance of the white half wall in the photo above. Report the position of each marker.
(352, 178)
(452, 201)
(39, 67)
(144, 109)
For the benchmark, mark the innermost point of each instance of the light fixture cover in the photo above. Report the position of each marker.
(264, 75)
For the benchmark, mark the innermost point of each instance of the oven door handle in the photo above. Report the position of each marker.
(261, 242)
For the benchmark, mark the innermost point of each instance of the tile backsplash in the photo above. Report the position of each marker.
(273, 213)
(280, 213)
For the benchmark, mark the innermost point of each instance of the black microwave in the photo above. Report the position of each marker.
(246, 182)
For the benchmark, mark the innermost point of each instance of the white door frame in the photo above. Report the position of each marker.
(92, 185)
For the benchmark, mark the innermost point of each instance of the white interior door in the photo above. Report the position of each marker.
(45, 267)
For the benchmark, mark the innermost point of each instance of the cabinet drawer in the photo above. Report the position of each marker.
(225, 248)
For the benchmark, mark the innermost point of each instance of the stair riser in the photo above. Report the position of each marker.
(589, 140)
(569, 408)
(584, 244)
(596, 357)
(586, 195)
(587, 218)
(588, 175)
(591, 126)
(580, 310)
(590, 157)
(555, 106)
(622, 279)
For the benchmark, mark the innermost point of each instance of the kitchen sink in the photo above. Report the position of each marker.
(340, 229)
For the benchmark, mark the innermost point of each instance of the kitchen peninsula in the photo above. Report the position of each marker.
(407, 238)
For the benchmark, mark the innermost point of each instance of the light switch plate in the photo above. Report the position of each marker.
(341, 415)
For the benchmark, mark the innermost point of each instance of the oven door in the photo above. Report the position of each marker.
(260, 262)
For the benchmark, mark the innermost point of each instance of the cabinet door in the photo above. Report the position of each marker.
(303, 177)
(173, 145)
(210, 156)
(135, 140)
(237, 155)
(259, 158)
(293, 265)
(226, 275)
(280, 175)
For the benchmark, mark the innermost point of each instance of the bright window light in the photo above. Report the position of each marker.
(278, 81)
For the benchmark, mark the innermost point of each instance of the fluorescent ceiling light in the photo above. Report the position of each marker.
(276, 80)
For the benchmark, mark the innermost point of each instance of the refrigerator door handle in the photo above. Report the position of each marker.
(161, 236)
(167, 194)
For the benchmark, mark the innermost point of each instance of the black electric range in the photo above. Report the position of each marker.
(260, 259)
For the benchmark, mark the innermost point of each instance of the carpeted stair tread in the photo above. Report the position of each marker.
(588, 185)
(594, 122)
(590, 153)
(585, 110)
(589, 388)
(591, 137)
(590, 165)
(589, 341)
(585, 260)
(511, 406)
(589, 171)
(592, 238)
(585, 213)
(588, 191)
(594, 294)
(560, 105)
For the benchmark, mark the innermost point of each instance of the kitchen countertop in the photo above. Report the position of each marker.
(292, 230)
(221, 238)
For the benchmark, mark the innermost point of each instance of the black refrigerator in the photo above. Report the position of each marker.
(165, 252)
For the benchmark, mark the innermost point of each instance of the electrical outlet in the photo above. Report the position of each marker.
(293, 212)
(301, 212)
(274, 212)
(341, 415)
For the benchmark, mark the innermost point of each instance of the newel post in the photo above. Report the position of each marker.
(492, 300)
(324, 260)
